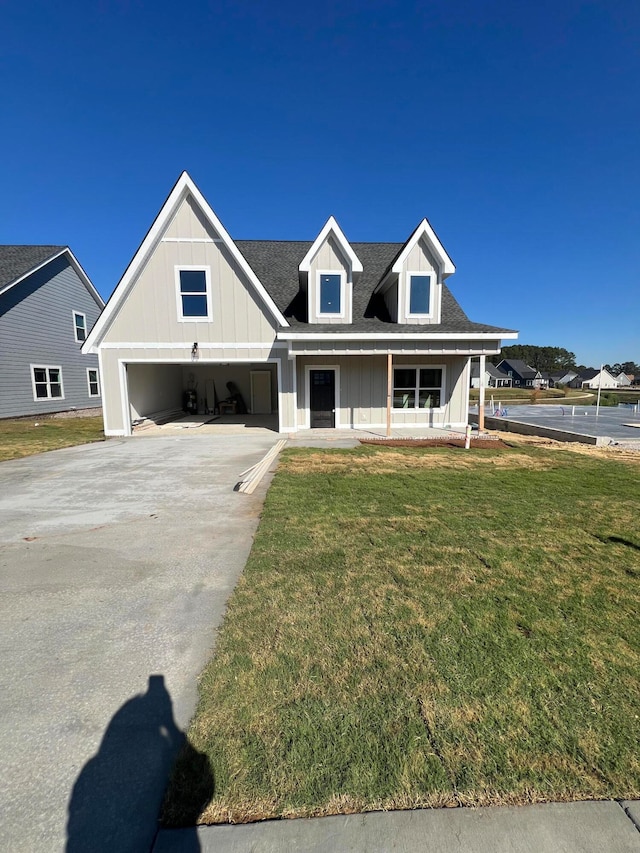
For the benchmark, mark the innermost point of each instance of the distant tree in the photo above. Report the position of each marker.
(625, 367)
(540, 358)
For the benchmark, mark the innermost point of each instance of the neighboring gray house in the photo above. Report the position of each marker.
(322, 333)
(47, 307)
(521, 375)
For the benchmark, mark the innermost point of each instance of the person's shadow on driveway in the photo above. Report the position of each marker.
(116, 799)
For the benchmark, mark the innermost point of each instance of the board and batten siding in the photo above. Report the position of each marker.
(329, 258)
(363, 390)
(149, 314)
(36, 327)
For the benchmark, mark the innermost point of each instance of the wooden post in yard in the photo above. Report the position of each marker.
(481, 394)
(389, 391)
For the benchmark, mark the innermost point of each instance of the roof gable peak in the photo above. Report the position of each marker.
(425, 230)
(331, 227)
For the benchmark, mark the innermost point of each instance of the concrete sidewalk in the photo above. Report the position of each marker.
(586, 827)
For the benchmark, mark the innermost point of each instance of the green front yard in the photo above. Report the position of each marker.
(26, 436)
(428, 627)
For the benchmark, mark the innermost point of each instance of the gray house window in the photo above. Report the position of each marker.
(47, 382)
(80, 326)
(417, 387)
(93, 382)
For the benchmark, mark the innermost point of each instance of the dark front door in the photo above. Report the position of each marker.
(323, 399)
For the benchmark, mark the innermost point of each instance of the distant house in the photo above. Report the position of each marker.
(521, 375)
(561, 377)
(600, 379)
(493, 378)
(623, 380)
(594, 379)
(47, 307)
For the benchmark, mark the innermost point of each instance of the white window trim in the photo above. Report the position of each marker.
(443, 386)
(75, 314)
(307, 393)
(343, 295)
(407, 295)
(97, 372)
(207, 274)
(46, 367)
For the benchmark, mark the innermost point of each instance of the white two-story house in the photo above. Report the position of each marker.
(325, 333)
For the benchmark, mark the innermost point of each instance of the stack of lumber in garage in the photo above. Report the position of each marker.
(250, 478)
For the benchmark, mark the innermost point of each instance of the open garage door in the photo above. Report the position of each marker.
(242, 393)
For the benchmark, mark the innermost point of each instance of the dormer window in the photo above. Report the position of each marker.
(330, 296)
(420, 295)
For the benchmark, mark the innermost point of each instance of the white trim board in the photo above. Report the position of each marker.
(188, 345)
(183, 188)
(395, 336)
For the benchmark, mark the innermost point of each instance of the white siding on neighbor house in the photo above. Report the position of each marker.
(363, 391)
(420, 260)
(330, 258)
(150, 311)
(37, 327)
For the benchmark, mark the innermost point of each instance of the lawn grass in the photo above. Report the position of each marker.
(21, 437)
(427, 627)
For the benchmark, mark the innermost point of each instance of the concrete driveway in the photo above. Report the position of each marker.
(116, 562)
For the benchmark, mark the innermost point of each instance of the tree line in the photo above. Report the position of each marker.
(553, 359)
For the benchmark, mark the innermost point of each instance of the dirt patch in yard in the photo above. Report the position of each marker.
(476, 443)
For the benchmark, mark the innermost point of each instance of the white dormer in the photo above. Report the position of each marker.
(412, 288)
(326, 275)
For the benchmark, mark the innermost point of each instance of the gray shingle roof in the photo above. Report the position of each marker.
(276, 263)
(16, 261)
(518, 366)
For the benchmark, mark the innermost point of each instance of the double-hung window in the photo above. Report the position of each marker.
(194, 293)
(420, 295)
(46, 382)
(80, 326)
(418, 387)
(93, 382)
(330, 294)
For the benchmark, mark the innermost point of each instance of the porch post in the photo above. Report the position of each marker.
(389, 391)
(481, 394)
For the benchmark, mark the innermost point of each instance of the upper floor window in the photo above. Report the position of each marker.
(194, 293)
(330, 294)
(420, 296)
(80, 326)
(46, 382)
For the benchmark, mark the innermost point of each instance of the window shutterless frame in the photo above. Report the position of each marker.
(423, 290)
(193, 294)
(331, 285)
(416, 387)
(93, 381)
(79, 326)
(46, 382)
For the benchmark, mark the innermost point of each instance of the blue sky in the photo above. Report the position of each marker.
(513, 126)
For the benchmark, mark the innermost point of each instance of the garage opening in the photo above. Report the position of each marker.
(192, 395)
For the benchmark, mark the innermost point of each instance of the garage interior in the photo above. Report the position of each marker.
(237, 392)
